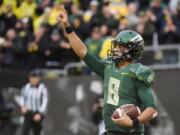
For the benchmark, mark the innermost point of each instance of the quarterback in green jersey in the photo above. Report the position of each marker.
(125, 82)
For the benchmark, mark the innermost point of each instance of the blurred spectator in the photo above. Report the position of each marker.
(5, 3)
(84, 4)
(57, 52)
(104, 17)
(146, 26)
(26, 9)
(97, 114)
(169, 31)
(36, 46)
(106, 45)
(105, 30)
(108, 18)
(7, 127)
(157, 16)
(66, 53)
(117, 7)
(75, 11)
(67, 4)
(23, 30)
(24, 33)
(51, 49)
(144, 4)
(42, 19)
(94, 43)
(77, 22)
(93, 7)
(132, 16)
(7, 20)
(176, 19)
(41, 5)
(9, 46)
(123, 24)
(54, 13)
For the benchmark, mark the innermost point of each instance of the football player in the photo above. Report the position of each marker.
(125, 82)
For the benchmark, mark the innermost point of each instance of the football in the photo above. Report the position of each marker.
(131, 110)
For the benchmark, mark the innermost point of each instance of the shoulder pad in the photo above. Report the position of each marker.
(143, 73)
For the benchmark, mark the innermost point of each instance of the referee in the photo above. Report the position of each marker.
(34, 100)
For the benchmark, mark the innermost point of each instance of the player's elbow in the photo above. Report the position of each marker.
(154, 112)
(82, 53)
(148, 114)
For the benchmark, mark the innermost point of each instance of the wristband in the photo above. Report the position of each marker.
(69, 30)
(135, 122)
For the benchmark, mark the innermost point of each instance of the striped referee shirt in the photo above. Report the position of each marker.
(35, 99)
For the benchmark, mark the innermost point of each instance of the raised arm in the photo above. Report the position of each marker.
(79, 47)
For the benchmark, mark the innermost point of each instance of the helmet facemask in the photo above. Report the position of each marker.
(130, 45)
(118, 52)
(129, 52)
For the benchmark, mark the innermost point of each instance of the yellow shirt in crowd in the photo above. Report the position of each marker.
(26, 9)
(105, 47)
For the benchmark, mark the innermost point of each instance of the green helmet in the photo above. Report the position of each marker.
(130, 40)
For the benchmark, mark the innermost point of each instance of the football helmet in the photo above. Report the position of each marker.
(131, 41)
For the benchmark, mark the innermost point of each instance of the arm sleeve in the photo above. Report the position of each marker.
(146, 95)
(44, 103)
(94, 64)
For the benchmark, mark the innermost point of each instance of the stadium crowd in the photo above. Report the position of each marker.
(30, 36)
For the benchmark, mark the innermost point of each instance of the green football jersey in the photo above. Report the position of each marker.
(129, 85)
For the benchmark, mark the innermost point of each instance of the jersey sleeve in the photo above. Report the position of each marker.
(144, 74)
(94, 64)
(146, 95)
(144, 79)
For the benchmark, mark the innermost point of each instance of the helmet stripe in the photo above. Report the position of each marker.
(136, 38)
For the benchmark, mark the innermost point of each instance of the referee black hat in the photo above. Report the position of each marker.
(34, 73)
